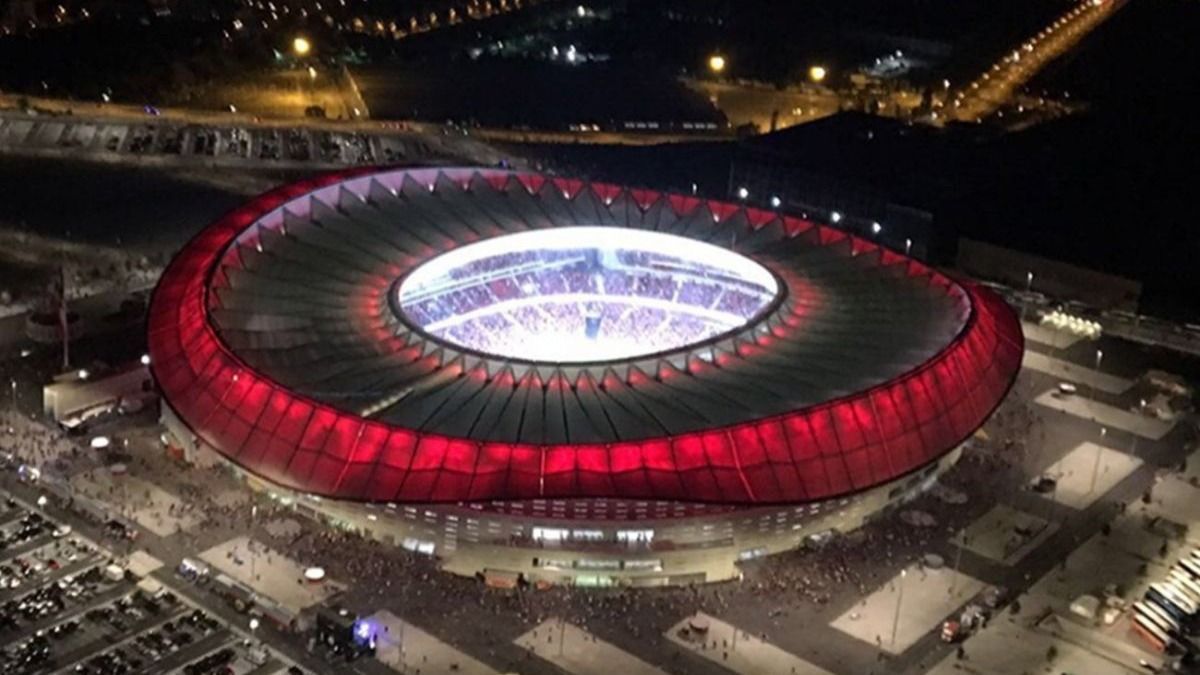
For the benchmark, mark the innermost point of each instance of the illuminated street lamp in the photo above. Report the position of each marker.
(743, 193)
(817, 74)
(716, 64)
(301, 46)
(876, 228)
(312, 73)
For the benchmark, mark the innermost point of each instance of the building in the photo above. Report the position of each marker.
(568, 382)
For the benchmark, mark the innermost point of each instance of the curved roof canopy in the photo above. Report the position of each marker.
(275, 338)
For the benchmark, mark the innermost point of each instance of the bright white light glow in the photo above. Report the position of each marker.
(579, 294)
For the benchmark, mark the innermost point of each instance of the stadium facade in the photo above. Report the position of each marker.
(575, 382)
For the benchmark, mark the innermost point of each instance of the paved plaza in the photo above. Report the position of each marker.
(269, 573)
(407, 649)
(1005, 534)
(1088, 471)
(929, 597)
(747, 654)
(1112, 417)
(142, 501)
(1088, 378)
(579, 652)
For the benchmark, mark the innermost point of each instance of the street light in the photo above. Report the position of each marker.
(775, 202)
(899, 599)
(835, 217)
(716, 64)
(743, 193)
(817, 74)
(301, 46)
(876, 228)
(907, 246)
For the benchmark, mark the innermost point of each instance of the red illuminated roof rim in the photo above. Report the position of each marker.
(199, 378)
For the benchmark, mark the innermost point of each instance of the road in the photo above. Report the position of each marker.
(998, 86)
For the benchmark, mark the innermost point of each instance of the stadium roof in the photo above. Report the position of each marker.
(272, 336)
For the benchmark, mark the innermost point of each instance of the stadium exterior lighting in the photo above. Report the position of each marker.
(876, 228)
(716, 64)
(835, 217)
(776, 201)
(743, 193)
(817, 74)
(712, 452)
(907, 246)
(145, 360)
(301, 46)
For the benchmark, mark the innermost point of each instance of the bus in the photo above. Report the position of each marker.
(1168, 603)
(1151, 633)
(1185, 581)
(1164, 620)
(1181, 597)
(1159, 617)
(1153, 599)
(1191, 566)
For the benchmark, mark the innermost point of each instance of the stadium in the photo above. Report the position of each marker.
(569, 382)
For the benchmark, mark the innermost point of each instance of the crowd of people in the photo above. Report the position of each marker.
(496, 302)
(383, 575)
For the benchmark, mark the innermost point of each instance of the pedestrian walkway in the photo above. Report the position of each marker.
(1107, 415)
(736, 649)
(1090, 378)
(907, 607)
(405, 648)
(577, 651)
(1088, 471)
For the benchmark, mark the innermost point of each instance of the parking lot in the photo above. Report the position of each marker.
(68, 605)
